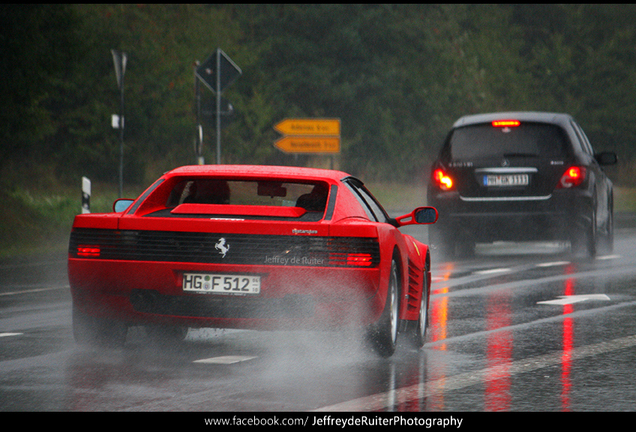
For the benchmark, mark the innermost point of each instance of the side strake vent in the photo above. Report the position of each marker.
(224, 248)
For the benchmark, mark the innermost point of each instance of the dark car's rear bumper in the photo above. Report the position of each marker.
(557, 216)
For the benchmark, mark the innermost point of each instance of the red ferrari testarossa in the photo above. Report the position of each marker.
(250, 247)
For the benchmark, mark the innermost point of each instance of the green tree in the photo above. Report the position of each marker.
(38, 46)
(162, 42)
(396, 75)
(581, 59)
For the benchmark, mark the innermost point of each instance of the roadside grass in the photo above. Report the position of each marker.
(39, 221)
(625, 199)
(36, 221)
(398, 197)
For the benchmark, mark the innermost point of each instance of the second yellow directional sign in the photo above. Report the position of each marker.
(297, 144)
(309, 136)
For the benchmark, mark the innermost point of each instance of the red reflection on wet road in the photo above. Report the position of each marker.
(438, 318)
(438, 312)
(568, 344)
(499, 353)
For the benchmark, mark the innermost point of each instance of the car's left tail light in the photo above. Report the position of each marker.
(572, 177)
(86, 251)
(442, 180)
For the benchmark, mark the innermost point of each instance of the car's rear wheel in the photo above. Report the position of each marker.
(585, 241)
(94, 331)
(441, 242)
(447, 244)
(607, 240)
(592, 236)
(383, 335)
(419, 335)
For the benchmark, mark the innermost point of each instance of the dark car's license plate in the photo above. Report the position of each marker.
(506, 180)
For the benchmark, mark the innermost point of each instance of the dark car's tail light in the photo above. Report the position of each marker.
(572, 177)
(442, 180)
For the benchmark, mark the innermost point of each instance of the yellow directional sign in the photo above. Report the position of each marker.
(313, 127)
(309, 135)
(298, 144)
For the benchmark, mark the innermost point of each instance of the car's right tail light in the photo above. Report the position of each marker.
(442, 180)
(572, 177)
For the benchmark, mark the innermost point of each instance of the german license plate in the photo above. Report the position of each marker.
(506, 180)
(221, 283)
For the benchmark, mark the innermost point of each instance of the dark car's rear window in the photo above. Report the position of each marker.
(525, 140)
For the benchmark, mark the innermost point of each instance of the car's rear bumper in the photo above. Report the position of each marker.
(143, 292)
(557, 216)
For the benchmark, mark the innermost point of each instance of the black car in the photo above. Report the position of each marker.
(520, 176)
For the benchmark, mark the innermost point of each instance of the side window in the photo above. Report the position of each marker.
(585, 143)
(371, 206)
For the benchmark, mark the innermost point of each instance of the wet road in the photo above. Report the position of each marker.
(516, 328)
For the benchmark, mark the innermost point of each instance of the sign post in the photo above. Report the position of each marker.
(217, 73)
(120, 58)
(86, 195)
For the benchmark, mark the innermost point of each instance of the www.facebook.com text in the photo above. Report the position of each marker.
(338, 421)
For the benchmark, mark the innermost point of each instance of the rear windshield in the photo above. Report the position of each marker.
(310, 196)
(525, 140)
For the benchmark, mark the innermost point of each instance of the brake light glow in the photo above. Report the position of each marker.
(351, 259)
(359, 259)
(442, 180)
(506, 123)
(88, 251)
(573, 176)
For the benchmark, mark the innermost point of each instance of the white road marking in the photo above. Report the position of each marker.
(454, 281)
(607, 257)
(225, 359)
(492, 271)
(390, 399)
(553, 264)
(10, 293)
(10, 334)
(571, 299)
